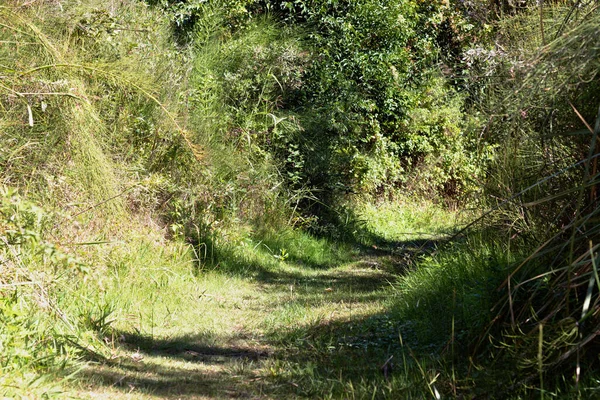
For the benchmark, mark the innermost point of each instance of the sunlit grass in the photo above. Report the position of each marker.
(408, 219)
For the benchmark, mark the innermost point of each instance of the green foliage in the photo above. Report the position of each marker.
(22, 225)
(186, 15)
(39, 333)
(79, 98)
(442, 152)
(250, 73)
(360, 90)
(352, 82)
(142, 146)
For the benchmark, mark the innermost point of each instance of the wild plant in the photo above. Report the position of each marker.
(545, 120)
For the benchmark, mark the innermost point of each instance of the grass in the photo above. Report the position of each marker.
(314, 320)
(419, 220)
(454, 290)
(57, 111)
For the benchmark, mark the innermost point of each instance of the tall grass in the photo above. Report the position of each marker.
(41, 334)
(76, 85)
(240, 79)
(63, 83)
(544, 116)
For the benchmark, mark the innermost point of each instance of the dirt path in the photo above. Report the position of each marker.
(295, 332)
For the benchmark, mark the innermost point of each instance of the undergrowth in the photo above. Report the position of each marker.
(46, 325)
(74, 91)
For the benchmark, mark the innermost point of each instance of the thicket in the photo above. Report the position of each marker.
(368, 109)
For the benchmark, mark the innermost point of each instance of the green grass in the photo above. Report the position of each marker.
(405, 219)
(276, 314)
(454, 290)
(68, 76)
(316, 320)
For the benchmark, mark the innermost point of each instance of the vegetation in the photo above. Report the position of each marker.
(308, 198)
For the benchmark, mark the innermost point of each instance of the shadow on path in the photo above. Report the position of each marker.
(191, 348)
(181, 367)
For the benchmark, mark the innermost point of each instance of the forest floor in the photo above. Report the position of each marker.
(297, 331)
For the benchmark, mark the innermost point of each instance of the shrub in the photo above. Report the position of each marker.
(355, 84)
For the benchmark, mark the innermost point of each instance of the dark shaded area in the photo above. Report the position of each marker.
(210, 375)
(404, 253)
(189, 348)
(308, 358)
(215, 376)
(167, 382)
(380, 348)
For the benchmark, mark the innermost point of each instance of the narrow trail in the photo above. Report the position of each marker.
(262, 337)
